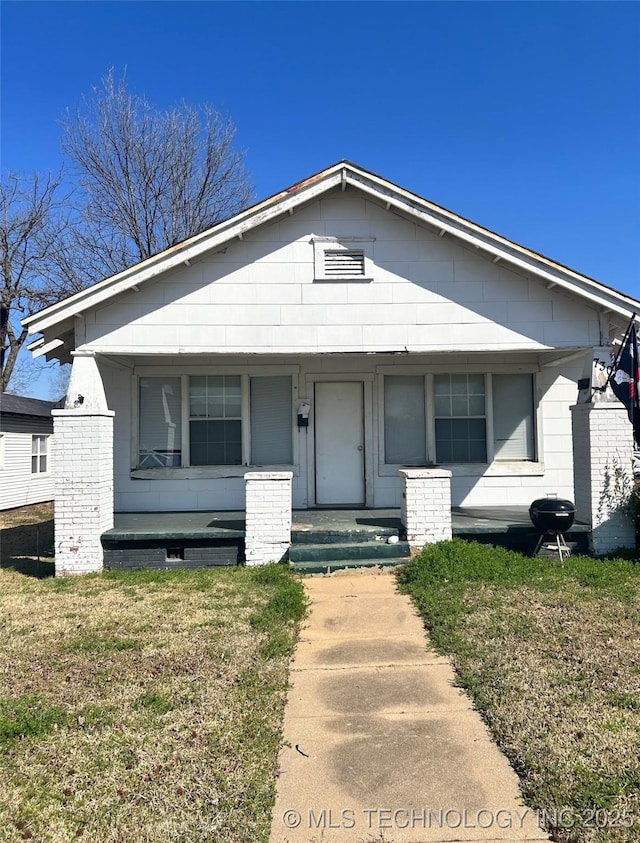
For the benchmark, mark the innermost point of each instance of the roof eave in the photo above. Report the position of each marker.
(188, 250)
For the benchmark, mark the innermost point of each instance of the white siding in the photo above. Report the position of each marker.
(255, 305)
(496, 485)
(18, 486)
(259, 295)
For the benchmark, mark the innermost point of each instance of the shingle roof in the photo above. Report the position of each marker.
(18, 405)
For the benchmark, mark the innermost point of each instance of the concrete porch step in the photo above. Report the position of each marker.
(328, 566)
(347, 551)
(343, 536)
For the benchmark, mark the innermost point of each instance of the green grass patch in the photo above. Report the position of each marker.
(154, 701)
(28, 716)
(94, 642)
(284, 609)
(549, 653)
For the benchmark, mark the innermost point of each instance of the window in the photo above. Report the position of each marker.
(271, 421)
(513, 427)
(343, 258)
(458, 418)
(460, 423)
(404, 420)
(160, 423)
(215, 420)
(39, 445)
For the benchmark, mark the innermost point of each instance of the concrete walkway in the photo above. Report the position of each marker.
(381, 746)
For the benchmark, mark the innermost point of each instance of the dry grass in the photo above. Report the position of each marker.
(551, 657)
(21, 515)
(26, 539)
(144, 706)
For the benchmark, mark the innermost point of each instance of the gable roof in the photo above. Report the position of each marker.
(341, 175)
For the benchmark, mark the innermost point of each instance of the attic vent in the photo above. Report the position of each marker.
(344, 263)
(343, 258)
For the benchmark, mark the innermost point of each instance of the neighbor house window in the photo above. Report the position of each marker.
(39, 450)
(460, 418)
(513, 425)
(404, 420)
(160, 423)
(215, 420)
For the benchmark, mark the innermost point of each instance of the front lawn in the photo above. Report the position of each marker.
(143, 706)
(550, 654)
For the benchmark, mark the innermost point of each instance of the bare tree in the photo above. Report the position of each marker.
(33, 225)
(144, 180)
(147, 179)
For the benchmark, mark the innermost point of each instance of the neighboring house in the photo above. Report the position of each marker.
(340, 330)
(26, 470)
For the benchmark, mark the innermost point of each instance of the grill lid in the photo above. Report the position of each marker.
(553, 514)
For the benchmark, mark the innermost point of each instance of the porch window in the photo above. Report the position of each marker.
(39, 454)
(160, 429)
(271, 421)
(215, 420)
(460, 418)
(513, 427)
(404, 420)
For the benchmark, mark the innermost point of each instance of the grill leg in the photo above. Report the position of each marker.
(562, 546)
(558, 545)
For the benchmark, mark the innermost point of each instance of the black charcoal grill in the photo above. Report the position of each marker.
(552, 517)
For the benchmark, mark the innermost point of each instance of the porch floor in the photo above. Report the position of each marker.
(472, 522)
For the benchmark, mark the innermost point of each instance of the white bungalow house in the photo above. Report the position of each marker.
(330, 338)
(26, 466)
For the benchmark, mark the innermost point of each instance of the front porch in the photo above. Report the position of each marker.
(197, 539)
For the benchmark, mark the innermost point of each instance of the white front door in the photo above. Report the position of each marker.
(339, 443)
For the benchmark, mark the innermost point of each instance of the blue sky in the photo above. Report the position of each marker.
(522, 116)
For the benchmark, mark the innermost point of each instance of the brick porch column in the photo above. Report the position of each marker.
(83, 451)
(267, 516)
(603, 472)
(426, 505)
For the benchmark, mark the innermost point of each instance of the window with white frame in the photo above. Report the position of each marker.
(404, 420)
(39, 454)
(460, 421)
(215, 420)
(230, 420)
(160, 422)
(513, 417)
(343, 258)
(271, 420)
(475, 418)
